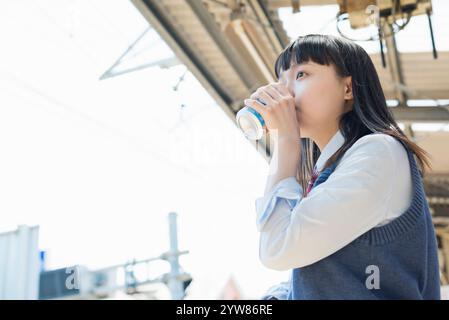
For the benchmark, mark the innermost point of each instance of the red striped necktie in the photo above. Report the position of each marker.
(312, 181)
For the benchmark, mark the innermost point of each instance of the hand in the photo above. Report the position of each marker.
(279, 112)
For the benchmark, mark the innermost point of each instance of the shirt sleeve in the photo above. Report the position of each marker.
(277, 292)
(353, 200)
(288, 190)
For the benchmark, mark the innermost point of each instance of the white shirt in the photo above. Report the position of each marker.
(370, 186)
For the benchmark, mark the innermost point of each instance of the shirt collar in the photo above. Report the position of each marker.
(331, 147)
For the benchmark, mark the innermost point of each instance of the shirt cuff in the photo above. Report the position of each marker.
(288, 189)
(277, 292)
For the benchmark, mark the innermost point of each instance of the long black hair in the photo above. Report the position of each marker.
(369, 113)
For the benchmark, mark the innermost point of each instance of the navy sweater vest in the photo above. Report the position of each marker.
(398, 260)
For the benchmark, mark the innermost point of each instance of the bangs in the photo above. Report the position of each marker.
(316, 48)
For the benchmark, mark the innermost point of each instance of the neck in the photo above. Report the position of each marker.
(323, 137)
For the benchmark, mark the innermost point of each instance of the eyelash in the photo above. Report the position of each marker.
(299, 73)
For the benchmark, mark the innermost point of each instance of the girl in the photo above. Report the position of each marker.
(344, 206)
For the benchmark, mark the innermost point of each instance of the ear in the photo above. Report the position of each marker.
(348, 88)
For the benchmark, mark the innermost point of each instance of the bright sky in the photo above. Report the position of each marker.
(98, 165)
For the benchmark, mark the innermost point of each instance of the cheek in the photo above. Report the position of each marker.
(316, 98)
(308, 98)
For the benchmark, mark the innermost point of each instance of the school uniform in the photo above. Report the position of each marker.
(364, 230)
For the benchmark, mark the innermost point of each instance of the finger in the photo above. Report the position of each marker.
(282, 89)
(256, 105)
(257, 92)
(268, 99)
(273, 92)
